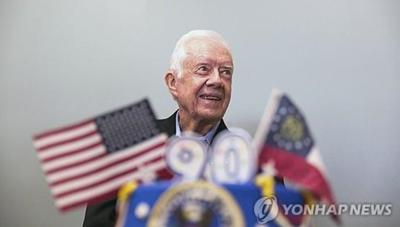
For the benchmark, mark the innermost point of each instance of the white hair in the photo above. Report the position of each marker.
(179, 53)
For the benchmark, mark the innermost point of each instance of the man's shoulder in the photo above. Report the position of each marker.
(167, 125)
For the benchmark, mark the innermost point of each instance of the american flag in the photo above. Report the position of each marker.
(285, 141)
(88, 161)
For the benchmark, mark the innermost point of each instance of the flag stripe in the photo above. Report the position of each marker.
(93, 151)
(153, 143)
(70, 147)
(59, 169)
(102, 197)
(99, 181)
(161, 172)
(314, 158)
(68, 140)
(99, 170)
(72, 153)
(83, 196)
(297, 169)
(99, 176)
(164, 174)
(62, 133)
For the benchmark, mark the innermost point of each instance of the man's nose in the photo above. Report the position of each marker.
(214, 78)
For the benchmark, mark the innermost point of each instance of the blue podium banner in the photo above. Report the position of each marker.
(202, 204)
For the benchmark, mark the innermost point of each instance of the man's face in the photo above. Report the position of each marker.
(203, 91)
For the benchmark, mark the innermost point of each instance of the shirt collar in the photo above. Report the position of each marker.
(206, 138)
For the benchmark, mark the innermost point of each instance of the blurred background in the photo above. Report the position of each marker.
(63, 61)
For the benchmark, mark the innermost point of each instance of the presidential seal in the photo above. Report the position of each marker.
(196, 203)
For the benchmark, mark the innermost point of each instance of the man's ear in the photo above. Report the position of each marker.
(170, 80)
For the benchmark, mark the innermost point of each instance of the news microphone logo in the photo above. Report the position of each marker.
(266, 209)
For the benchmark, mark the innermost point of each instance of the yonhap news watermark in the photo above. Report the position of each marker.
(266, 209)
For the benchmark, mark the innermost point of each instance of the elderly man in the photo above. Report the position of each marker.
(199, 79)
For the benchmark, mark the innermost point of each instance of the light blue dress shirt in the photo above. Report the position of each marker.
(207, 138)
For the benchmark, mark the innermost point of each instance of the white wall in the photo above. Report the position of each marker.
(62, 61)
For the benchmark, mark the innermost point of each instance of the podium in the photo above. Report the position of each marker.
(201, 203)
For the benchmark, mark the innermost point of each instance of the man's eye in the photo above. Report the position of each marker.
(226, 72)
(202, 69)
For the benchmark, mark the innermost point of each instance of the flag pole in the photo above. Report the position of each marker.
(266, 119)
